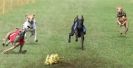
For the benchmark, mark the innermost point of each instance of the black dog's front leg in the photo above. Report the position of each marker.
(69, 40)
(76, 38)
(70, 34)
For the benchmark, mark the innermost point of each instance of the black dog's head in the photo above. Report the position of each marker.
(80, 21)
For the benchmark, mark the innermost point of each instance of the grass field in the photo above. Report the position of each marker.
(104, 48)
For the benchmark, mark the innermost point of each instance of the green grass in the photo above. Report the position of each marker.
(104, 48)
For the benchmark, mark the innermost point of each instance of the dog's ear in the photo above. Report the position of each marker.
(26, 16)
(33, 15)
(76, 18)
(82, 17)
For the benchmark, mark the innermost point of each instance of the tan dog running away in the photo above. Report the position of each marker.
(122, 19)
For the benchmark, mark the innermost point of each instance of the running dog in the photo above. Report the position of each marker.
(30, 26)
(16, 38)
(122, 19)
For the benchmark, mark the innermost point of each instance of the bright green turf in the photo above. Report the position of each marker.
(104, 48)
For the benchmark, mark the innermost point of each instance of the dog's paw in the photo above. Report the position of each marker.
(69, 41)
(76, 40)
(36, 40)
(3, 44)
(23, 52)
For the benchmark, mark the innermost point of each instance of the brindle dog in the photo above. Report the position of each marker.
(122, 19)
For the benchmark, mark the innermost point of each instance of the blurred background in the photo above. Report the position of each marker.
(6, 5)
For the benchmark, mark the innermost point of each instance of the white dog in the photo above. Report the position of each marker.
(30, 26)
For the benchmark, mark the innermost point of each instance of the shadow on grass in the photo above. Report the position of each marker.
(32, 43)
(14, 52)
(61, 65)
(42, 65)
(82, 62)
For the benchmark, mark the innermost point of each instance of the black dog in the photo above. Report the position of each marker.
(78, 29)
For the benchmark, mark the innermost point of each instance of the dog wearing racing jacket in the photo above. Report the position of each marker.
(122, 19)
(30, 25)
(16, 38)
